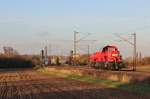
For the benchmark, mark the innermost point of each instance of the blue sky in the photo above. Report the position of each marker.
(28, 25)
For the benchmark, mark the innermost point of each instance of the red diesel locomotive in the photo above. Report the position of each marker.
(108, 58)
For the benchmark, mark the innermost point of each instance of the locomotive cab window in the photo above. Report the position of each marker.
(111, 49)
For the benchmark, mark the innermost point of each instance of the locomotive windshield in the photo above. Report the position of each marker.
(109, 49)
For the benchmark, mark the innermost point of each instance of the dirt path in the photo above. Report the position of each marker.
(28, 84)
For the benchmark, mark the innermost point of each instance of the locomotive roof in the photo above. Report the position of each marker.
(110, 46)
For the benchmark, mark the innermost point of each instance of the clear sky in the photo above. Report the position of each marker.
(29, 25)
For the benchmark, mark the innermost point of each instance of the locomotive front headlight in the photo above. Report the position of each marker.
(114, 55)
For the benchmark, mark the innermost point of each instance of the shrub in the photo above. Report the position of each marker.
(15, 62)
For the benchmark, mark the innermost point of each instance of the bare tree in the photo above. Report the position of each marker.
(9, 51)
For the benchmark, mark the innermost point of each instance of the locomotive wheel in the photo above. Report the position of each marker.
(116, 66)
(121, 65)
(110, 67)
(107, 65)
(92, 64)
(98, 65)
(103, 65)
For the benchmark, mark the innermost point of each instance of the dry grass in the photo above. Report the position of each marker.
(131, 87)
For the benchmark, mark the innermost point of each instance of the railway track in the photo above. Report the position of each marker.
(127, 70)
(28, 84)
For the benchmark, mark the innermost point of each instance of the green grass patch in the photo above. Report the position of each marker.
(138, 88)
(91, 79)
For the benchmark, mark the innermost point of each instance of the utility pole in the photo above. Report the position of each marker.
(46, 51)
(42, 57)
(75, 42)
(134, 58)
(88, 50)
(88, 54)
(46, 56)
(134, 44)
(75, 47)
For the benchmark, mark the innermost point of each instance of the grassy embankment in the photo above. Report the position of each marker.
(138, 88)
